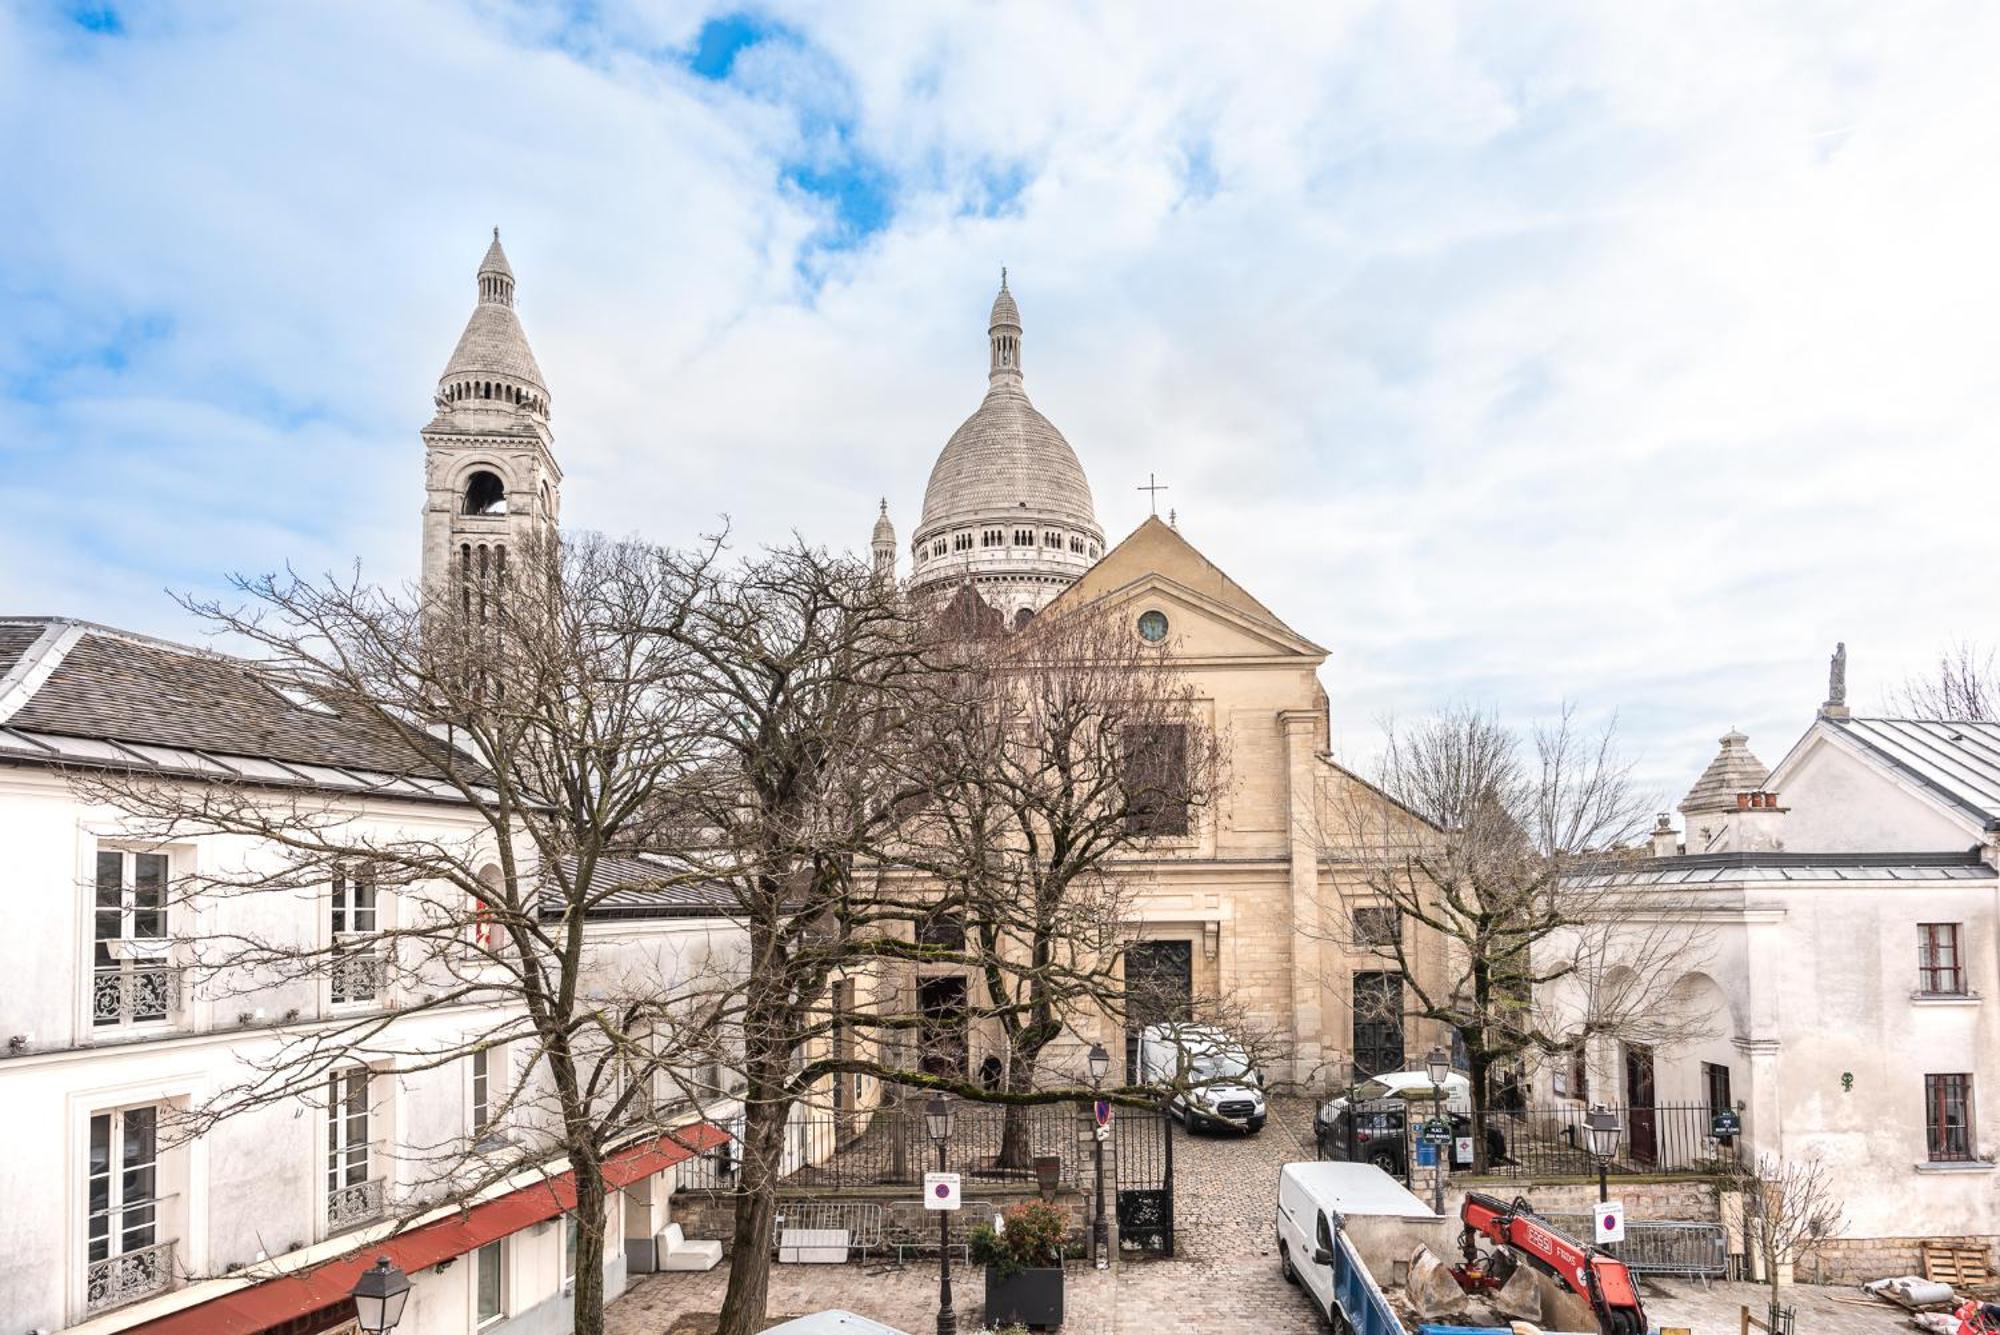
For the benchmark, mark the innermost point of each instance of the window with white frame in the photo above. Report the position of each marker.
(482, 1094)
(353, 1192)
(355, 964)
(569, 1250)
(132, 980)
(489, 1283)
(127, 1255)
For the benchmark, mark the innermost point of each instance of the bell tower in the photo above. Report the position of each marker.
(491, 481)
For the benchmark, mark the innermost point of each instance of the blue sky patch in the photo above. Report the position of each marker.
(97, 18)
(721, 40)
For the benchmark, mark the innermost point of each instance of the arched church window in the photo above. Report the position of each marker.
(485, 494)
(1022, 617)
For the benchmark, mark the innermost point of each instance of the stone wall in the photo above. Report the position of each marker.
(1857, 1260)
(712, 1214)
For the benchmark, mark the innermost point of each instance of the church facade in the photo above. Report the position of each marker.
(1253, 903)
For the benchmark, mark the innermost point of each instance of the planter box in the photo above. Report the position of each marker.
(1032, 1298)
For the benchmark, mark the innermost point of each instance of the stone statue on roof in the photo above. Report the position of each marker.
(1836, 682)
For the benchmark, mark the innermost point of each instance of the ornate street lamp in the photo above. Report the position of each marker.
(1100, 1234)
(1438, 1065)
(937, 1122)
(379, 1296)
(1601, 1124)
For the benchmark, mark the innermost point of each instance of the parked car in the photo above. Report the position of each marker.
(1211, 1078)
(1370, 1123)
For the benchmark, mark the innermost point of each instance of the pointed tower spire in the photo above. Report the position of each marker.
(1003, 335)
(882, 543)
(496, 276)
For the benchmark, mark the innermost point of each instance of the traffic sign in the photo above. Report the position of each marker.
(1101, 1110)
(1611, 1221)
(941, 1191)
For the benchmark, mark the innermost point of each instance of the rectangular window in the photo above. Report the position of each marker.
(1154, 774)
(1579, 1072)
(1378, 925)
(1948, 1105)
(488, 1266)
(352, 1195)
(1940, 970)
(125, 1257)
(569, 1250)
(1715, 1083)
(131, 981)
(482, 1111)
(356, 963)
(943, 930)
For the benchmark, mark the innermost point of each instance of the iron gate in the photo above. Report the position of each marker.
(1144, 1145)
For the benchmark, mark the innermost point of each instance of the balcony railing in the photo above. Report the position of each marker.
(357, 974)
(133, 994)
(356, 1203)
(128, 1277)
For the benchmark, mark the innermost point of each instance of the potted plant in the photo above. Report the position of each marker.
(1023, 1256)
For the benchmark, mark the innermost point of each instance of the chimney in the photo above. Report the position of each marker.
(1666, 843)
(1756, 826)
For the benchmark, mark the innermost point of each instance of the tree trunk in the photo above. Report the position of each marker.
(744, 1302)
(1017, 1150)
(589, 1290)
(1477, 1066)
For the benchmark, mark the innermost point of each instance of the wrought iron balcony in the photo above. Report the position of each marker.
(133, 993)
(356, 1203)
(128, 1277)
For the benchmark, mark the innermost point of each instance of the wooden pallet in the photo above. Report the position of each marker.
(1966, 1269)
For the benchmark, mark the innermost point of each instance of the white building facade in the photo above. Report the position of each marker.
(1848, 909)
(116, 1221)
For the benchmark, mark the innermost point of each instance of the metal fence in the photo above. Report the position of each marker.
(889, 1146)
(1660, 1139)
(1692, 1250)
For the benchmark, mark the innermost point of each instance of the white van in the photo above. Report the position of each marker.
(1213, 1081)
(1312, 1196)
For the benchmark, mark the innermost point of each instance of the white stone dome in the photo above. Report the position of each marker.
(1008, 509)
(1006, 459)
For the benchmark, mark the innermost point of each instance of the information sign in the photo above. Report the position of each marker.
(941, 1191)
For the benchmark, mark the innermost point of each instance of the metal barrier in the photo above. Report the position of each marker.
(1660, 1246)
(861, 1220)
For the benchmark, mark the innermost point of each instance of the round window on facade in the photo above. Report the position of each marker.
(1152, 626)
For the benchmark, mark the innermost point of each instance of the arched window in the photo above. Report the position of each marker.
(1022, 617)
(485, 494)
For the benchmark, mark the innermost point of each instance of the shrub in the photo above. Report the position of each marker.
(1033, 1236)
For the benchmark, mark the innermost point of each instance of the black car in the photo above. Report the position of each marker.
(1377, 1131)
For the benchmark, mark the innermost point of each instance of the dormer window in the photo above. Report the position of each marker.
(485, 494)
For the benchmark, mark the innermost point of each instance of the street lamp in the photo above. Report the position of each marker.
(379, 1296)
(1602, 1126)
(937, 1121)
(1100, 1235)
(1438, 1065)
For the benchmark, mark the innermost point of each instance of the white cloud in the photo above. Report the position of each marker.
(1515, 353)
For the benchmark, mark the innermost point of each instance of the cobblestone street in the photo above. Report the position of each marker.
(1223, 1279)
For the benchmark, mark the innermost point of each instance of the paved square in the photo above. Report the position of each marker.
(1224, 1278)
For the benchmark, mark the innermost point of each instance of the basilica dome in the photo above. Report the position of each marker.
(1008, 508)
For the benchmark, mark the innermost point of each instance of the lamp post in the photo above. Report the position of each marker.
(379, 1296)
(1602, 1125)
(937, 1121)
(1100, 1236)
(1438, 1065)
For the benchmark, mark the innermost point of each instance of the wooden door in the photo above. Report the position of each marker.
(1643, 1120)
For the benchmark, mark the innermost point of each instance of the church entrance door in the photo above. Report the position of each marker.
(1159, 987)
(941, 1002)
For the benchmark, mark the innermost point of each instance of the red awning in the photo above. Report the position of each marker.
(276, 1301)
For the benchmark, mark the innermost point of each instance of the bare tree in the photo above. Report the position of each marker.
(557, 731)
(1052, 753)
(1507, 862)
(1964, 684)
(1789, 1207)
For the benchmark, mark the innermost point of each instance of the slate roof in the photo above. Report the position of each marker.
(636, 892)
(1957, 759)
(1737, 868)
(80, 693)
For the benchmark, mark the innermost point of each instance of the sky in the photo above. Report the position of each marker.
(1519, 354)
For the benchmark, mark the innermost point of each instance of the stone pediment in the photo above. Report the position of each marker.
(1156, 562)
